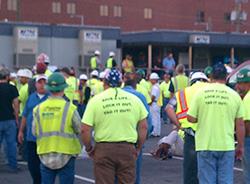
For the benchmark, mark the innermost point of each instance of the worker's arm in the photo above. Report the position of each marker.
(86, 138)
(16, 109)
(142, 129)
(191, 119)
(21, 129)
(172, 115)
(240, 134)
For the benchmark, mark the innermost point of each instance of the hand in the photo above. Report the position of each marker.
(239, 152)
(90, 150)
(20, 137)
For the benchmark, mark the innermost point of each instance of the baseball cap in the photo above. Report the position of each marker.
(114, 78)
(39, 77)
(56, 82)
(154, 76)
(141, 72)
(208, 70)
(243, 75)
(83, 77)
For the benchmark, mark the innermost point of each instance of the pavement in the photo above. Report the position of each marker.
(153, 171)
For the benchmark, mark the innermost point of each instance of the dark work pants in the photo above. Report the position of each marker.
(190, 161)
(33, 162)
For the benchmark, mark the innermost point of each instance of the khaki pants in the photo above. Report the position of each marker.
(114, 159)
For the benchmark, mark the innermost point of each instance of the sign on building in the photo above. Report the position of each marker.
(199, 39)
(27, 33)
(92, 36)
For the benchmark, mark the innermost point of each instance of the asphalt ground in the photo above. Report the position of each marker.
(153, 171)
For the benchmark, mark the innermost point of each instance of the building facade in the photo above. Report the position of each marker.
(192, 15)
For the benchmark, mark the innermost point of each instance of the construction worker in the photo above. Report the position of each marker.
(243, 80)
(118, 119)
(13, 79)
(164, 86)
(142, 85)
(95, 62)
(154, 106)
(39, 96)
(56, 125)
(111, 63)
(44, 58)
(85, 94)
(177, 112)
(71, 92)
(180, 81)
(8, 119)
(127, 64)
(24, 76)
(217, 110)
(130, 86)
(94, 83)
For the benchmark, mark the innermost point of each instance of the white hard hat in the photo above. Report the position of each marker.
(198, 75)
(13, 75)
(154, 76)
(83, 77)
(94, 73)
(102, 75)
(111, 54)
(97, 52)
(24, 73)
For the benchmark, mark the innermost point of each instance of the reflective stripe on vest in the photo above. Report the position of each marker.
(183, 105)
(60, 133)
(175, 84)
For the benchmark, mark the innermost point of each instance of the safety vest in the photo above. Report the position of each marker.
(128, 65)
(95, 86)
(184, 98)
(93, 63)
(48, 72)
(109, 63)
(54, 132)
(165, 89)
(71, 91)
(180, 82)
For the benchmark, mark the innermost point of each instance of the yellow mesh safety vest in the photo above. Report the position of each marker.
(128, 65)
(109, 63)
(180, 82)
(184, 98)
(93, 63)
(72, 90)
(54, 132)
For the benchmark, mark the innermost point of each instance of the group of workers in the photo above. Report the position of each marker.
(119, 112)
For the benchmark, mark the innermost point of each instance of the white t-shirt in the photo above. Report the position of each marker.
(155, 91)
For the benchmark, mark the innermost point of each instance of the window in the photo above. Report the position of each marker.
(147, 13)
(117, 11)
(12, 5)
(104, 10)
(227, 17)
(71, 8)
(200, 16)
(56, 7)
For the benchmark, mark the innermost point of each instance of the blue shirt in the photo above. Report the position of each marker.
(31, 103)
(144, 101)
(168, 63)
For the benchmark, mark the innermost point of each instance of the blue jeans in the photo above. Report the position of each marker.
(246, 160)
(215, 167)
(8, 133)
(66, 174)
(163, 112)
